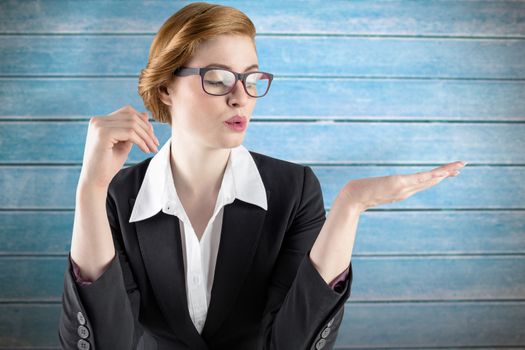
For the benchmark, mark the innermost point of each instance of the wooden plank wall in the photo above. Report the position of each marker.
(361, 89)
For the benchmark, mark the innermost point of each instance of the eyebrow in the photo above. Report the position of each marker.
(227, 67)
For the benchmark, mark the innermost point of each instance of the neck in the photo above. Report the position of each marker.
(197, 171)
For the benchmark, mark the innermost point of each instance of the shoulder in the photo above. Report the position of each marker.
(275, 173)
(128, 180)
(265, 163)
(280, 173)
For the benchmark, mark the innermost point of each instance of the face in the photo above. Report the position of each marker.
(199, 117)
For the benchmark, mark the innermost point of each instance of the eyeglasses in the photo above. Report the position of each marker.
(219, 81)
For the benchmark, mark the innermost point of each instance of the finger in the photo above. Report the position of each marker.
(409, 191)
(129, 134)
(438, 173)
(146, 131)
(434, 180)
(450, 167)
(144, 117)
(126, 108)
(134, 124)
(116, 116)
(425, 176)
(441, 173)
(423, 180)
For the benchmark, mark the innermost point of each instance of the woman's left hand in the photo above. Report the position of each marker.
(370, 192)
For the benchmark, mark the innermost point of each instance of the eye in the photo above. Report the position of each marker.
(214, 82)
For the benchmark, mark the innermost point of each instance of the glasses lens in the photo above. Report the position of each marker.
(219, 82)
(257, 84)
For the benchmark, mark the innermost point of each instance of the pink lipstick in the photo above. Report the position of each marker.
(236, 123)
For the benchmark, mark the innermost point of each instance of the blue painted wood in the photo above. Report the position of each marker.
(448, 324)
(418, 232)
(476, 187)
(315, 98)
(36, 232)
(289, 56)
(365, 325)
(385, 279)
(29, 326)
(327, 143)
(382, 63)
(359, 17)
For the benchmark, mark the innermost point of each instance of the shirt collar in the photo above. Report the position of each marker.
(241, 180)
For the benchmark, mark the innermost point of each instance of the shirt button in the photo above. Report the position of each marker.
(196, 280)
(169, 206)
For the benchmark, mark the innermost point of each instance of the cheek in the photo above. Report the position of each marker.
(192, 109)
(201, 117)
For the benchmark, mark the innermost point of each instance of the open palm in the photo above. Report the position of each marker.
(372, 191)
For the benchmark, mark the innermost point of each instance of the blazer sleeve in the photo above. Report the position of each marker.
(302, 311)
(102, 315)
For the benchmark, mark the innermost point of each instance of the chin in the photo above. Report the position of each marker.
(234, 142)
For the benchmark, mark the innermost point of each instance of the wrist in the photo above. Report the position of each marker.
(343, 200)
(91, 191)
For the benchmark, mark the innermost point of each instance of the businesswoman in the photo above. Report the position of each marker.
(206, 245)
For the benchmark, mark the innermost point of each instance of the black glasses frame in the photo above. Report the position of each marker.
(185, 71)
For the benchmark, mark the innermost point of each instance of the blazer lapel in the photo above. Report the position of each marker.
(241, 230)
(161, 248)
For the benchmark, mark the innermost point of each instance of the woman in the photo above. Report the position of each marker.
(207, 245)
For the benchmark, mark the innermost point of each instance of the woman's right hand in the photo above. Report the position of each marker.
(109, 141)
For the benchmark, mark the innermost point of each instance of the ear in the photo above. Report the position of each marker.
(164, 95)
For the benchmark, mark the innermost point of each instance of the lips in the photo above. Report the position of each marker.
(236, 123)
(237, 119)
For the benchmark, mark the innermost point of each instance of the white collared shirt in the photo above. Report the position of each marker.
(241, 180)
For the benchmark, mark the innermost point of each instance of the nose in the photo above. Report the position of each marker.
(238, 95)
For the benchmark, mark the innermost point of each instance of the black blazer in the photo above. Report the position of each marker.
(266, 292)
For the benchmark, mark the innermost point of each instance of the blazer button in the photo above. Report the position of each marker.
(330, 323)
(320, 344)
(83, 332)
(81, 318)
(325, 332)
(83, 344)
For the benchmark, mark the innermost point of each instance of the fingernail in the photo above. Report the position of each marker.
(464, 163)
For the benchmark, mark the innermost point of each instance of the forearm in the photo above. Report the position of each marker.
(92, 244)
(332, 250)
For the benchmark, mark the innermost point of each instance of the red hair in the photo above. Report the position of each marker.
(176, 42)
